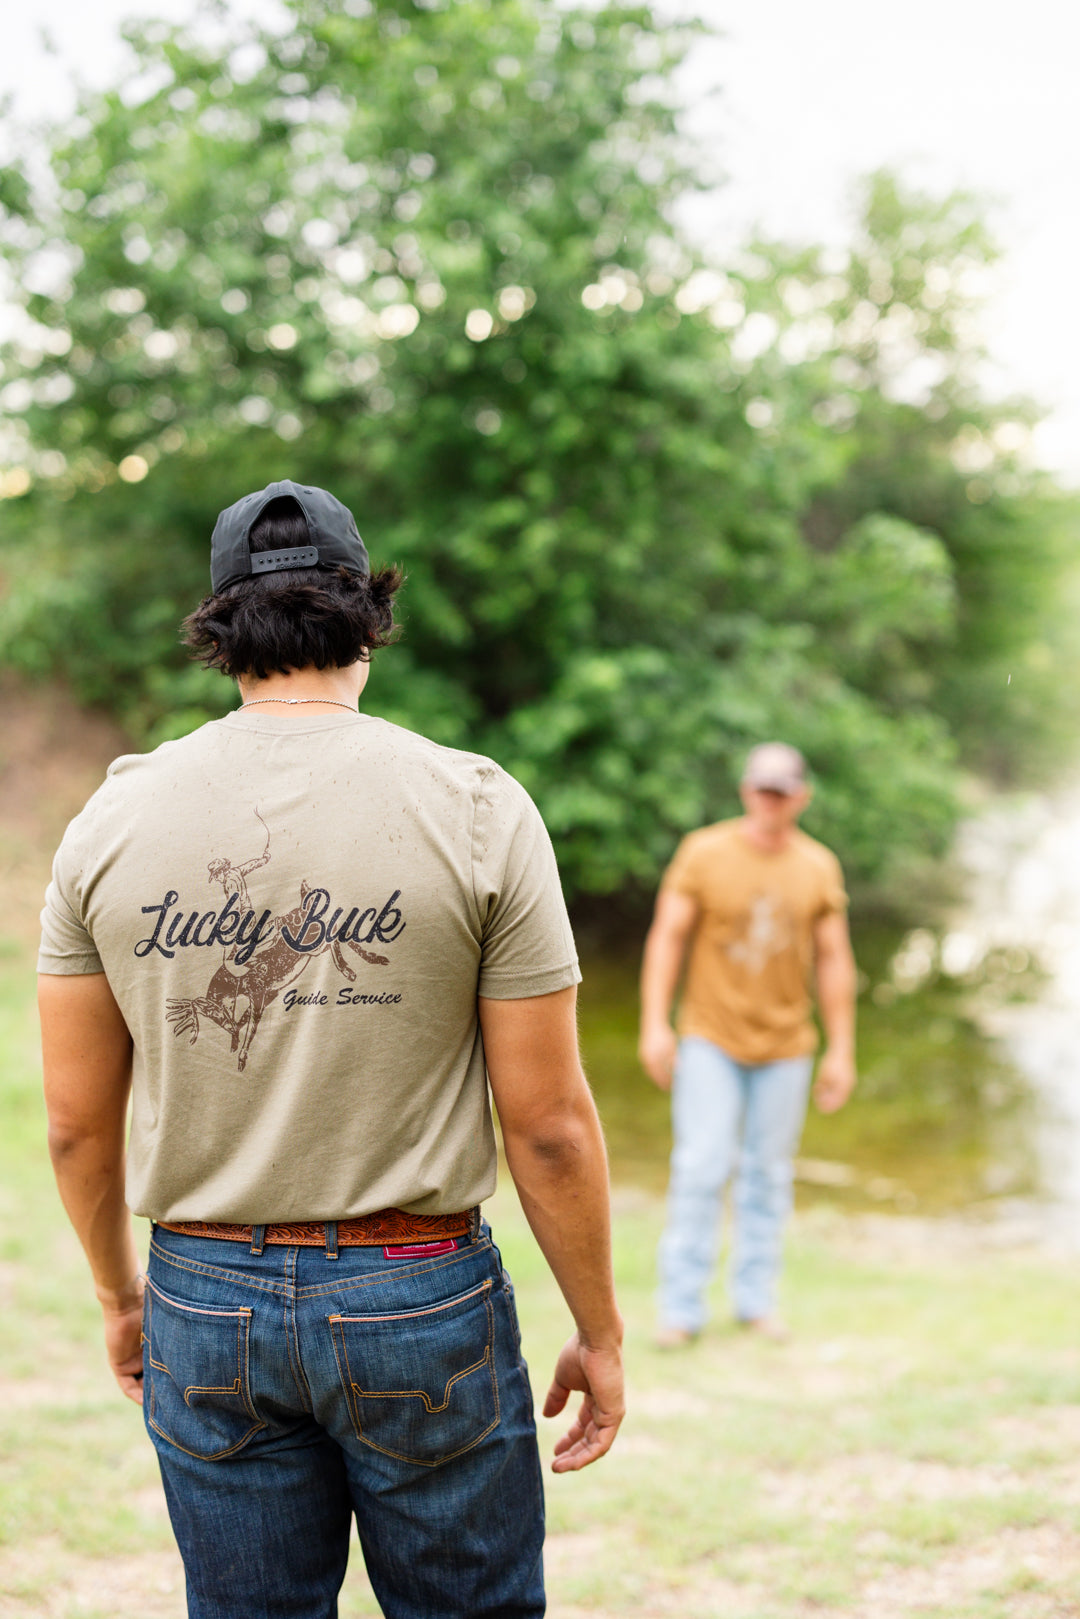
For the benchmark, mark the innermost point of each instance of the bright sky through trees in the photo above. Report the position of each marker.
(965, 92)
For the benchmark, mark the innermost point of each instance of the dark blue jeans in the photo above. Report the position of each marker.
(285, 1391)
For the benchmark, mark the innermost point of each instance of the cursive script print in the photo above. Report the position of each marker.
(308, 932)
(262, 953)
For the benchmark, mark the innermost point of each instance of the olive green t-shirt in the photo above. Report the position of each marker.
(747, 983)
(296, 916)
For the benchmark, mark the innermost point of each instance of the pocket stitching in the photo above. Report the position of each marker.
(420, 1394)
(413, 1315)
(351, 1388)
(239, 1385)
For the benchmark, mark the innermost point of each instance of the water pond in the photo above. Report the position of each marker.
(942, 1119)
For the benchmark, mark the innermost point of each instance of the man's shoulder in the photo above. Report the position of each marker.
(459, 764)
(130, 772)
(391, 750)
(701, 852)
(395, 744)
(814, 852)
(714, 838)
(460, 777)
(132, 784)
(170, 754)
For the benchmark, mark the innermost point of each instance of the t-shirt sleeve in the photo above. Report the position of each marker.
(66, 946)
(833, 893)
(527, 947)
(683, 875)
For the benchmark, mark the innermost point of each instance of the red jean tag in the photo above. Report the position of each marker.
(420, 1250)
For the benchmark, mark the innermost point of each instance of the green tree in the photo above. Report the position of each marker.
(651, 510)
(882, 353)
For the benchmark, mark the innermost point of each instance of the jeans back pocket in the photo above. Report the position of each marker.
(198, 1395)
(420, 1384)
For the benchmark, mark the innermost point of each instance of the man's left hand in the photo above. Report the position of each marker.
(835, 1081)
(598, 1374)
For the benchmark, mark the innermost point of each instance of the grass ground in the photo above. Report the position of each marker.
(914, 1450)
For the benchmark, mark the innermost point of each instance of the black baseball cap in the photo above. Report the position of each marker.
(335, 539)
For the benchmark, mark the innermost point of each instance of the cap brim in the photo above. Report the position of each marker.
(788, 785)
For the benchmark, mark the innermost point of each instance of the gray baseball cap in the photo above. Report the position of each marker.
(775, 767)
(335, 539)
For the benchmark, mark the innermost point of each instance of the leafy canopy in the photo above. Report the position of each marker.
(652, 509)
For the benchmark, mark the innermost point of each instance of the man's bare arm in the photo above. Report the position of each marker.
(674, 921)
(86, 1049)
(834, 966)
(555, 1150)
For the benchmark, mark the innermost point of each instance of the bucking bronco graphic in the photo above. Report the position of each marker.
(260, 961)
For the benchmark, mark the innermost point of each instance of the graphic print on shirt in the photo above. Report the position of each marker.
(233, 880)
(768, 933)
(261, 955)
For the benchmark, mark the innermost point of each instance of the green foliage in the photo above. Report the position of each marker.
(650, 511)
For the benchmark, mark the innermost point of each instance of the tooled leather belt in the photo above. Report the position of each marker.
(385, 1226)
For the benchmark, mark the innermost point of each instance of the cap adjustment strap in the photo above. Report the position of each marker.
(274, 561)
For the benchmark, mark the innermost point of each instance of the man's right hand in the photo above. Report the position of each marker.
(598, 1373)
(673, 925)
(656, 1052)
(123, 1314)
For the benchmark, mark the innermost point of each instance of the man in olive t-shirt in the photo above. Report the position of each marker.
(304, 942)
(762, 908)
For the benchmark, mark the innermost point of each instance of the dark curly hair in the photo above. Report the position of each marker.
(301, 618)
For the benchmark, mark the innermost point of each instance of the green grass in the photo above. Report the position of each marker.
(915, 1449)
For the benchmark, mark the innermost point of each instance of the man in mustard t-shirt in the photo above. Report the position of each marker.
(762, 908)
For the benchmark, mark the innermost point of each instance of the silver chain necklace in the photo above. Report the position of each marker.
(332, 701)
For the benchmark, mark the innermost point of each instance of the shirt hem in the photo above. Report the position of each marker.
(68, 966)
(804, 1046)
(303, 1213)
(521, 986)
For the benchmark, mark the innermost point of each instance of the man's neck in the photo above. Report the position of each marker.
(305, 691)
(767, 839)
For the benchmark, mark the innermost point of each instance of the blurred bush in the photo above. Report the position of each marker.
(652, 509)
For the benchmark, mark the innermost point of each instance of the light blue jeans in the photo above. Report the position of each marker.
(729, 1116)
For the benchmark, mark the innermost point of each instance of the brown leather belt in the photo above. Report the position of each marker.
(386, 1227)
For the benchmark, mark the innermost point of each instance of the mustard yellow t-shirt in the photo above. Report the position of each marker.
(748, 978)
